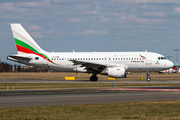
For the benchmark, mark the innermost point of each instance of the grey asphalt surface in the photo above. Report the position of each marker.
(27, 80)
(26, 98)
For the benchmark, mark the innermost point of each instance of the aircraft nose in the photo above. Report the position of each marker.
(170, 64)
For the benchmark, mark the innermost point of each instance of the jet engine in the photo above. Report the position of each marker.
(80, 69)
(116, 72)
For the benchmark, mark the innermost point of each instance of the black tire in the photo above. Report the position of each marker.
(96, 78)
(93, 78)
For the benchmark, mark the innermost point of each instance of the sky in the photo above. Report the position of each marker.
(93, 25)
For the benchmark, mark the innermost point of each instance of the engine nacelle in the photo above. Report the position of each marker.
(80, 69)
(116, 72)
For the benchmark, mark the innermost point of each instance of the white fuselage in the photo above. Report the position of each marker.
(132, 61)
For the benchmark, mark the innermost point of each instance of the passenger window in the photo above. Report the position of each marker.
(36, 58)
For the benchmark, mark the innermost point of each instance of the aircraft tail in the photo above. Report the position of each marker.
(24, 42)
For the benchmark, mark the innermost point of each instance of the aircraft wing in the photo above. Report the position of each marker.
(88, 64)
(97, 66)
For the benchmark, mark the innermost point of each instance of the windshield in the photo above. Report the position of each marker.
(161, 58)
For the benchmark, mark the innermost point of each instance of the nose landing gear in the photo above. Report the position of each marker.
(148, 77)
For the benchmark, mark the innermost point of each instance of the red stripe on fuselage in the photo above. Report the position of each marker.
(28, 51)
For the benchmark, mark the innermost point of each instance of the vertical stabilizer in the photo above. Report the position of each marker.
(24, 42)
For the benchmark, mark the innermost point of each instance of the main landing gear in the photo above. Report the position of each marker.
(93, 78)
(148, 77)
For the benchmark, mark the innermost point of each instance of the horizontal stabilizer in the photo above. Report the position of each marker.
(18, 58)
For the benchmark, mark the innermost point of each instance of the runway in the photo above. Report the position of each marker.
(27, 80)
(25, 98)
(49, 97)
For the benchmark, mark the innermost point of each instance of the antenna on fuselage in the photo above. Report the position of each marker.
(73, 51)
(145, 50)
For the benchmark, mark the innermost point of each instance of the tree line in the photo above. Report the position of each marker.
(6, 67)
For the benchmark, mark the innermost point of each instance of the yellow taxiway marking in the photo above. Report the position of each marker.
(69, 78)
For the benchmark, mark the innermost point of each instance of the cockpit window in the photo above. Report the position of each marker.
(161, 58)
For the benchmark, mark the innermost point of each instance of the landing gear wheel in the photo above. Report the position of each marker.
(148, 76)
(93, 78)
(148, 79)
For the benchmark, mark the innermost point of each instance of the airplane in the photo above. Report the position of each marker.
(112, 64)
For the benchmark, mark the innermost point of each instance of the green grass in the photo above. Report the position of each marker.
(166, 110)
(76, 85)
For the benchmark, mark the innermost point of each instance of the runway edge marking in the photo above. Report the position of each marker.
(133, 89)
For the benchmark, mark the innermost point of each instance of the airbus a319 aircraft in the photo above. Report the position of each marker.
(112, 64)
